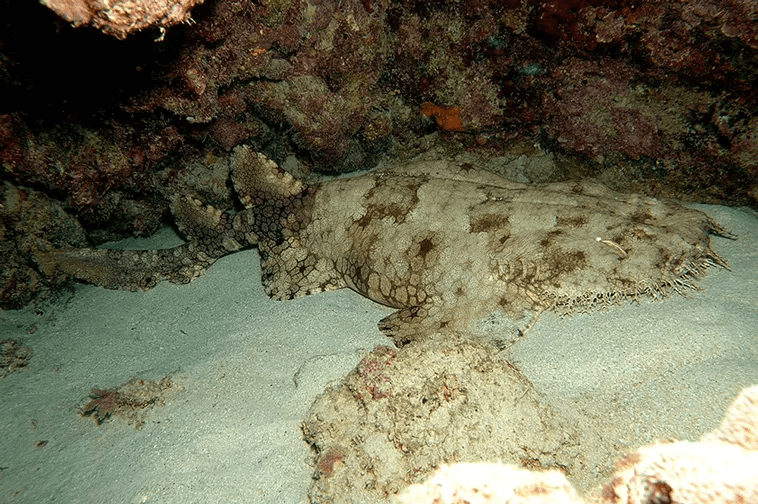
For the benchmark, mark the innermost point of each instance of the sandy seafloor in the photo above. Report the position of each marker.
(251, 368)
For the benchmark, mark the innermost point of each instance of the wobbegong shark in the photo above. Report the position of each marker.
(443, 243)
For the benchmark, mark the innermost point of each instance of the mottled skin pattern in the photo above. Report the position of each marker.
(447, 245)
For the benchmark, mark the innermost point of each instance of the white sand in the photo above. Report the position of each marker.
(251, 368)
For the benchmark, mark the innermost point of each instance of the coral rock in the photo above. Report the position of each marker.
(683, 472)
(123, 17)
(722, 467)
(491, 483)
(403, 413)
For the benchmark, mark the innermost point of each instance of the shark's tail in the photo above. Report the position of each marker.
(210, 233)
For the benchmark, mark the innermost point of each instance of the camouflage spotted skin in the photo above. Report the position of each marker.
(446, 245)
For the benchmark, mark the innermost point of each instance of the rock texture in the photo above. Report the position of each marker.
(721, 467)
(402, 413)
(122, 17)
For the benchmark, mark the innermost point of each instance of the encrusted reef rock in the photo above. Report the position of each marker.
(122, 17)
(399, 414)
(483, 483)
(720, 468)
